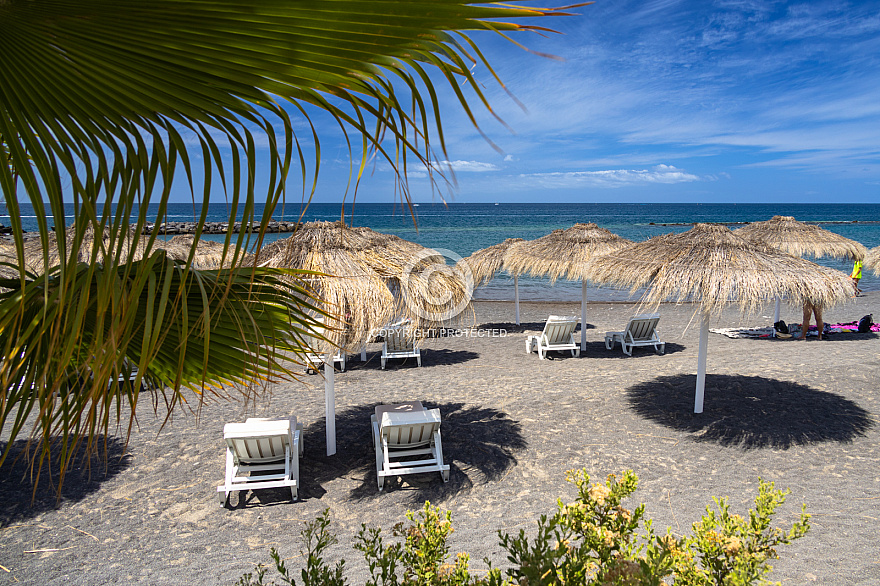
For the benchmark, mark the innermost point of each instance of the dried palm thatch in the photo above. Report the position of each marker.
(351, 290)
(872, 260)
(484, 263)
(130, 245)
(7, 255)
(208, 254)
(563, 253)
(799, 239)
(368, 278)
(714, 267)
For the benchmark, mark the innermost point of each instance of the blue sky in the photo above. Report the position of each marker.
(668, 101)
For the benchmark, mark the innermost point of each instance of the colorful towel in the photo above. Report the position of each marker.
(854, 326)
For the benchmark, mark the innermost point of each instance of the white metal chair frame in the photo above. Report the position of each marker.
(400, 342)
(404, 431)
(314, 359)
(640, 331)
(558, 335)
(271, 447)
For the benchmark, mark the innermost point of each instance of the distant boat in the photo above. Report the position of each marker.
(415, 205)
(498, 204)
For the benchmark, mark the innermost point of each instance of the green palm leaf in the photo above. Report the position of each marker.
(101, 104)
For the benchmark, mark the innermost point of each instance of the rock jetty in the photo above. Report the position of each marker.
(217, 227)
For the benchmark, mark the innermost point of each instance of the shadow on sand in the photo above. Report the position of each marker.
(479, 444)
(599, 350)
(531, 326)
(84, 476)
(750, 411)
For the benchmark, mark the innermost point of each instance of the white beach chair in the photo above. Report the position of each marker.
(271, 448)
(403, 431)
(558, 335)
(315, 359)
(400, 342)
(640, 331)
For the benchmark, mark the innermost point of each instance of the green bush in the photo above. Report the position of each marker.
(592, 541)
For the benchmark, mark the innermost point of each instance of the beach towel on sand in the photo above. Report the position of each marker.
(854, 326)
(744, 332)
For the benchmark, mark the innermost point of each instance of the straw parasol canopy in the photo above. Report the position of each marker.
(421, 286)
(208, 254)
(799, 239)
(351, 289)
(484, 264)
(488, 261)
(130, 244)
(872, 260)
(565, 253)
(713, 267)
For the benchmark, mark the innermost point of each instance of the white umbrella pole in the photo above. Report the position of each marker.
(701, 363)
(516, 296)
(776, 313)
(584, 316)
(329, 404)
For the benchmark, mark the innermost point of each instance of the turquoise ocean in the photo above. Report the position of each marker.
(463, 228)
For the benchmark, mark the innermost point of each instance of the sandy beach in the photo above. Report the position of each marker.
(803, 414)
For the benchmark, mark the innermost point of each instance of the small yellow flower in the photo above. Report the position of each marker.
(599, 492)
(732, 545)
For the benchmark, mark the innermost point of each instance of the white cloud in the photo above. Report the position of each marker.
(611, 178)
(466, 166)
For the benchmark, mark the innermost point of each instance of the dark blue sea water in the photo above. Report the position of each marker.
(464, 228)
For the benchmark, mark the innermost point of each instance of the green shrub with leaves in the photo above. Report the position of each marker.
(317, 571)
(593, 540)
(732, 550)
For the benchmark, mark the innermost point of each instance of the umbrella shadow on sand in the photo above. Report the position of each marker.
(750, 411)
(83, 477)
(479, 444)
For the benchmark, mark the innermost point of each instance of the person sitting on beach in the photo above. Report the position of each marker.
(856, 276)
(811, 309)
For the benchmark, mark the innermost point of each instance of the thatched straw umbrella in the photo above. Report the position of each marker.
(130, 244)
(799, 239)
(208, 254)
(485, 263)
(360, 271)
(565, 253)
(872, 260)
(713, 267)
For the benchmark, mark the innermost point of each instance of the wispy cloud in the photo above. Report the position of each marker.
(466, 166)
(611, 178)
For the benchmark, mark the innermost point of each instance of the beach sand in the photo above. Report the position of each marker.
(803, 414)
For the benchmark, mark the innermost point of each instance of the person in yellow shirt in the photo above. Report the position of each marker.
(856, 276)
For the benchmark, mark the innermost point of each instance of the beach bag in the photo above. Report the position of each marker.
(865, 323)
(781, 327)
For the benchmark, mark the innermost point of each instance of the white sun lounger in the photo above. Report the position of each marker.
(558, 335)
(400, 342)
(640, 331)
(402, 432)
(269, 447)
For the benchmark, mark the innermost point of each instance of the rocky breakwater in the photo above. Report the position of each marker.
(217, 227)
